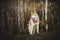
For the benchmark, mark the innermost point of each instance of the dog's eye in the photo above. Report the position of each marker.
(35, 15)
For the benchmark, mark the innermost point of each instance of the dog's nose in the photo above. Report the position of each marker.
(33, 18)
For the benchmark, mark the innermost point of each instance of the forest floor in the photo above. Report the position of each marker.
(40, 36)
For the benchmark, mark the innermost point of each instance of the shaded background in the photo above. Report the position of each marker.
(13, 23)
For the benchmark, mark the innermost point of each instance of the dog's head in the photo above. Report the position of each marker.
(34, 16)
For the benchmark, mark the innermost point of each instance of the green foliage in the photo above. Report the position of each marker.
(42, 23)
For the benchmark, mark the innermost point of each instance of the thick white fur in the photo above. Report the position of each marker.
(32, 26)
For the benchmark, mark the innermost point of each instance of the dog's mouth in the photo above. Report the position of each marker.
(34, 20)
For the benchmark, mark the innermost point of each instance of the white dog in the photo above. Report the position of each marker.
(33, 23)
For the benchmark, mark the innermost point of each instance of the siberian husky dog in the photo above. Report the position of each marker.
(33, 23)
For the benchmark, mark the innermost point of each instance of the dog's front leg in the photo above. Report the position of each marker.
(31, 29)
(37, 28)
